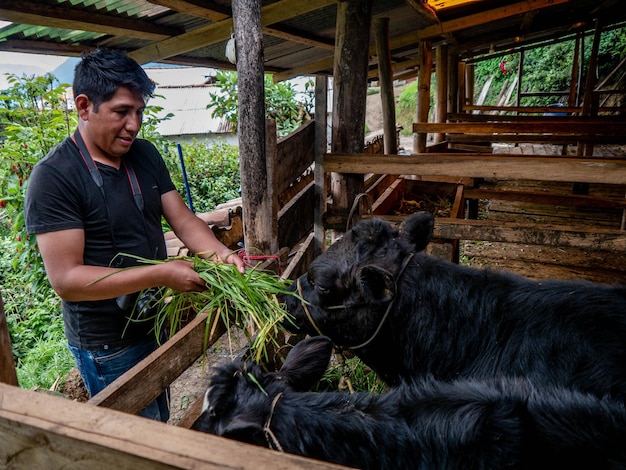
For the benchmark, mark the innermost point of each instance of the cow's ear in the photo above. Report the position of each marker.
(376, 284)
(418, 229)
(245, 431)
(306, 362)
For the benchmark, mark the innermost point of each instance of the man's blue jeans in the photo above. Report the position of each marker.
(100, 367)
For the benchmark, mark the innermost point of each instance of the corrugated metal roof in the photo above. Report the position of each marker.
(299, 36)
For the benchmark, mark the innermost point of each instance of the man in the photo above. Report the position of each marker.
(95, 204)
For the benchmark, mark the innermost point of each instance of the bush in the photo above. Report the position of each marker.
(212, 171)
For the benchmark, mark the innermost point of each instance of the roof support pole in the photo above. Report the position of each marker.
(256, 198)
(349, 95)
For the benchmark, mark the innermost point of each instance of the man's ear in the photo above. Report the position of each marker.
(83, 104)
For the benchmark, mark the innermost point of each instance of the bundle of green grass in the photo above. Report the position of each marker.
(247, 301)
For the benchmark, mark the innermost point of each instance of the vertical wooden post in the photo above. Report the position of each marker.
(8, 375)
(251, 126)
(461, 87)
(470, 72)
(520, 76)
(423, 92)
(271, 155)
(321, 144)
(381, 32)
(349, 95)
(588, 108)
(441, 80)
(573, 86)
(453, 83)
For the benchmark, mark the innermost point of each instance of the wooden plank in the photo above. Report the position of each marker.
(294, 154)
(301, 259)
(554, 139)
(469, 117)
(504, 166)
(39, 430)
(8, 374)
(294, 220)
(542, 197)
(563, 236)
(132, 391)
(543, 127)
(533, 234)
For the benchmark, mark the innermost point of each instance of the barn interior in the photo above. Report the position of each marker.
(538, 193)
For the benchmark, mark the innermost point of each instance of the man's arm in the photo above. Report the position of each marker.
(62, 253)
(194, 232)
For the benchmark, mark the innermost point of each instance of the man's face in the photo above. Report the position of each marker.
(114, 126)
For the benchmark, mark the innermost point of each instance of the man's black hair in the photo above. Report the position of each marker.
(101, 72)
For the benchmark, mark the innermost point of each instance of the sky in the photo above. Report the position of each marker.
(30, 64)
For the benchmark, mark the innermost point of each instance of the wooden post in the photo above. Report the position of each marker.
(573, 86)
(349, 95)
(251, 126)
(385, 75)
(453, 83)
(271, 157)
(470, 70)
(423, 92)
(321, 143)
(441, 81)
(8, 374)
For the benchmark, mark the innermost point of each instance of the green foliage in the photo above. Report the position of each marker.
(361, 377)
(546, 69)
(34, 117)
(212, 173)
(281, 103)
(405, 108)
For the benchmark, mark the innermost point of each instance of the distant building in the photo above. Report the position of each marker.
(185, 92)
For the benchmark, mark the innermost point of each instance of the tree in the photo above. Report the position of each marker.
(281, 102)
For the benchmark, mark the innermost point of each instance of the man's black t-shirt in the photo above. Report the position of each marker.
(62, 195)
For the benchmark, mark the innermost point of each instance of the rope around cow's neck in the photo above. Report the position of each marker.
(272, 440)
(382, 321)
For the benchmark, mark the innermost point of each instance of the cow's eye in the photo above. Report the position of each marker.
(321, 289)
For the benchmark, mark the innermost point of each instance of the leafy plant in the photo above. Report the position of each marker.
(281, 103)
(247, 301)
(213, 173)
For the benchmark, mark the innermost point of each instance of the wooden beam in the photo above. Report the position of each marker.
(209, 10)
(543, 127)
(141, 384)
(38, 430)
(562, 236)
(215, 12)
(505, 166)
(27, 12)
(221, 30)
(445, 27)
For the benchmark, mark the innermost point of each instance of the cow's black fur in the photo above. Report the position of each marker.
(463, 424)
(452, 321)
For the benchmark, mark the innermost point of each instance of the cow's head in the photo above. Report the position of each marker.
(240, 396)
(348, 289)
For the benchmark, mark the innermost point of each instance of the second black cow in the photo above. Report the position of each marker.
(407, 314)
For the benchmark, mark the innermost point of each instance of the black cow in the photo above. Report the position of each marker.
(470, 424)
(407, 314)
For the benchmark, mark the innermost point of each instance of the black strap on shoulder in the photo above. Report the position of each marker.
(97, 177)
(86, 156)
